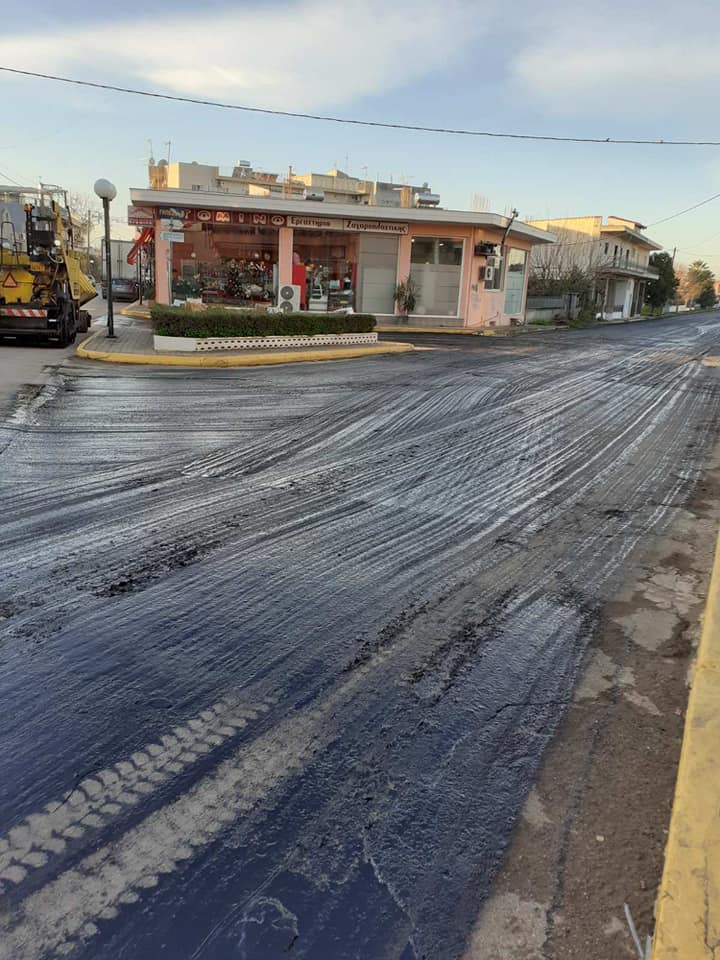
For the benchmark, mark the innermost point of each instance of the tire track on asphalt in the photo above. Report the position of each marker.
(105, 794)
(66, 910)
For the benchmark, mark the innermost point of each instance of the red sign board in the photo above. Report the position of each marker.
(252, 219)
(137, 217)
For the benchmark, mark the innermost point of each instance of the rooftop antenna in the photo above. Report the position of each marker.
(168, 144)
(152, 152)
(347, 163)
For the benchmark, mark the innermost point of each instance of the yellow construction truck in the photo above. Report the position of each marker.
(42, 288)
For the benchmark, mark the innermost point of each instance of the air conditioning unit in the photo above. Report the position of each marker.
(489, 274)
(288, 298)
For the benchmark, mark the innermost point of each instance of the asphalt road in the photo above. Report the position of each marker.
(281, 649)
(27, 367)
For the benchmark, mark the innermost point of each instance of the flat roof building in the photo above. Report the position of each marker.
(615, 252)
(468, 269)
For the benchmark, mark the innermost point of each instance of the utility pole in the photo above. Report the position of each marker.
(673, 256)
(89, 227)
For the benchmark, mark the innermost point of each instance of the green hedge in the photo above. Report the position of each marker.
(220, 322)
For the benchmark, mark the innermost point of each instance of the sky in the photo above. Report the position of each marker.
(551, 67)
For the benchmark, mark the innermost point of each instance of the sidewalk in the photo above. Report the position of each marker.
(133, 343)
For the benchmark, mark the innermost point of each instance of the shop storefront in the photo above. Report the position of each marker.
(240, 251)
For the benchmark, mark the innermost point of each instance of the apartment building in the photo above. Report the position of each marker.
(335, 186)
(614, 249)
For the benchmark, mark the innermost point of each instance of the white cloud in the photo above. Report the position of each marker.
(621, 78)
(302, 55)
(619, 61)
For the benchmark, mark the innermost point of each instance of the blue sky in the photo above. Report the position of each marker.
(597, 69)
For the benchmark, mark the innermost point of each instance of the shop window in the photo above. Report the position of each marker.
(515, 281)
(229, 264)
(325, 268)
(436, 268)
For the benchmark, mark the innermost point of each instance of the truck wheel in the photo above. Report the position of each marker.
(64, 326)
(85, 320)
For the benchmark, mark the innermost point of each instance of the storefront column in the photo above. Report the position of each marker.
(403, 261)
(163, 267)
(285, 255)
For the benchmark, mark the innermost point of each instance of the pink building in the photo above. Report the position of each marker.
(468, 268)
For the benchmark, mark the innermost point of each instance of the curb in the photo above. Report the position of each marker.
(251, 360)
(688, 903)
(136, 314)
(447, 331)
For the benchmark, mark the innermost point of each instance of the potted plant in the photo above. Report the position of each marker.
(406, 293)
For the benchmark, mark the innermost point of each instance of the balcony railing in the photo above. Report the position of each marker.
(630, 267)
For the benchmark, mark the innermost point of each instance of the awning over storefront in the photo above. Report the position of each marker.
(146, 235)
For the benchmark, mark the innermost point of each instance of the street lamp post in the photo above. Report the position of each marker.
(107, 192)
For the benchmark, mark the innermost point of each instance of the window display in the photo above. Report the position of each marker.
(330, 264)
(228, 264)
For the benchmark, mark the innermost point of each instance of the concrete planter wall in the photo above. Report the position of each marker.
(212, 344)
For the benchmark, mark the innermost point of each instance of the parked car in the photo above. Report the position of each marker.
(122, 289)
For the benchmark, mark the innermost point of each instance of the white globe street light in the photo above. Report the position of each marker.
(107, 192)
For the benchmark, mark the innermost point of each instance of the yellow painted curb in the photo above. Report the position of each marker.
(238, 360)
(137, 314)
(688, 905)
(451, 331)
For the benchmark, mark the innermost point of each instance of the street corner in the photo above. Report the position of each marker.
(134, 345)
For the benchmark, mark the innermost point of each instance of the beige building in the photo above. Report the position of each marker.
(616, 251)
(335, 186)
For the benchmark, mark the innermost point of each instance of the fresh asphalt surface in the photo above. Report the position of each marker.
(280, 649)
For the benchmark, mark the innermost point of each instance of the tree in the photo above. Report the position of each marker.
(85, 216)
(572, 266)
(698, 285)
(661, 291)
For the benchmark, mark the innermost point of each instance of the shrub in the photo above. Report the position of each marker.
(221, 322)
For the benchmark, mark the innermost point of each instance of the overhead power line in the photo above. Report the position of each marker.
(672, 216)
(10, 179)
(360, 123)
